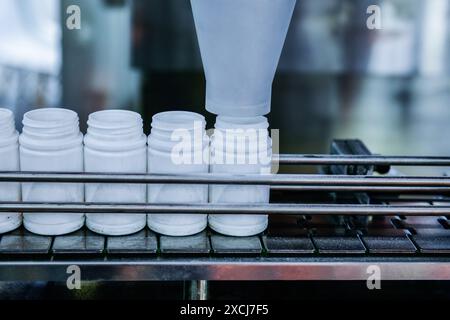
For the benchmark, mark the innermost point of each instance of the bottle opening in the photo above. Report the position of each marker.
(6, 115)
(49, 118)
(114, 119)
(171, 120)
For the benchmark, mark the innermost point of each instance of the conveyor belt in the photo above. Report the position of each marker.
(420, 246)
(313, 234)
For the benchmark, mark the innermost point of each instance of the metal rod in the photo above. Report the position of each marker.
(370, 189)
(413, 198)
(316, 209)
(312, 159)
(215, 178)
(198, 290)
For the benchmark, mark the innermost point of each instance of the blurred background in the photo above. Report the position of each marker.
(336, 78)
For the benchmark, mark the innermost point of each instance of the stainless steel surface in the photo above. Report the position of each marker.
(383, 189)
(273, 209)
(84, 243)
(198, 290)
(318, 159)
(194, 245)
(235, 246)
(217, 178)
(300, 182)
(142, 243)
(230, 269)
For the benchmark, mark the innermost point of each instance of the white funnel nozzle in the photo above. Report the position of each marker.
(240, 43)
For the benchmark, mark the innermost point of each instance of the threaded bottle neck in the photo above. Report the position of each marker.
(115, 130)
(175, 129)
(50, 129)
(8, 133)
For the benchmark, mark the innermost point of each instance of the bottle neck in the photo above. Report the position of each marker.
(115, 130)
(7, 127)
(178, 130)
(50, 129)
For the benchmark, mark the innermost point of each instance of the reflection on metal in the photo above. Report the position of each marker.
(198, 290)
(306, 268)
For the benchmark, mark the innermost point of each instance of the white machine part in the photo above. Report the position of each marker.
(240, 44)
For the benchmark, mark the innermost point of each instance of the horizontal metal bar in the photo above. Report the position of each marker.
(410, 198)
(370, 189)
(218, 178)
(311, 159)
(244, 269)
(208, 208)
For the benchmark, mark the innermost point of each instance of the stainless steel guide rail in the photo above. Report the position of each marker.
(299, 182)
(414, 243)
(217, 178)
(295, 159)
(274, 209)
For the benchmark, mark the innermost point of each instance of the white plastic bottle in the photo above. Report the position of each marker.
(9, 161)
(178, 144)
(240, 146)
(115, 143)
(51, 141)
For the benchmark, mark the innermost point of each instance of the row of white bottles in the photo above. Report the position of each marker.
(115, 143)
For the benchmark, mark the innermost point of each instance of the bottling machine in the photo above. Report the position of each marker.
(355, 213)
(329, 226)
